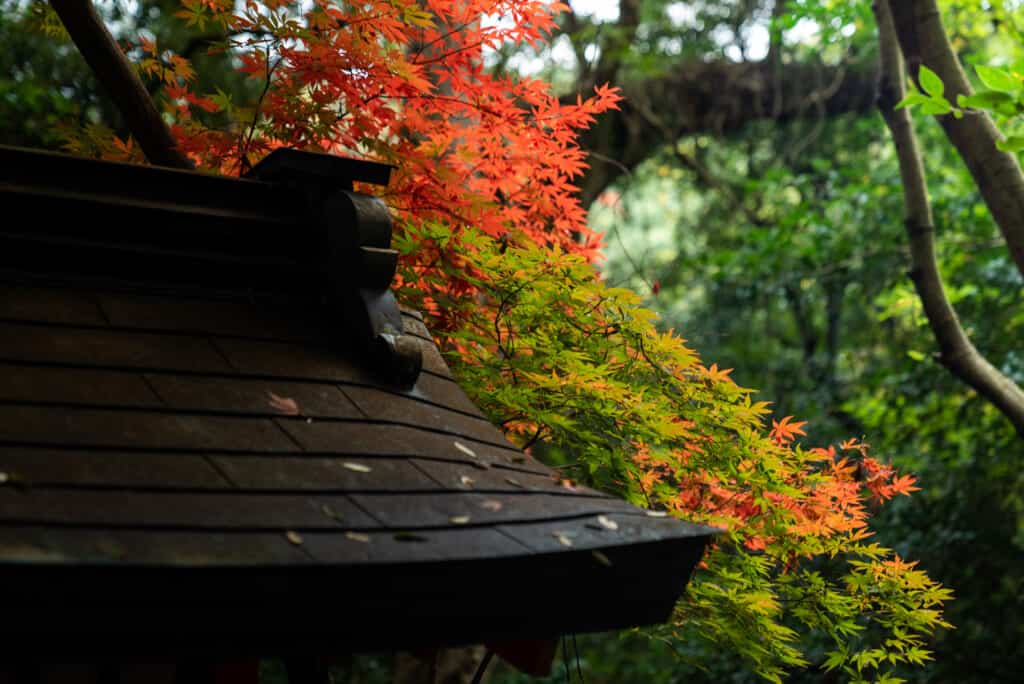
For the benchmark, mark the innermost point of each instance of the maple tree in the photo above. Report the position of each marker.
(498, 253)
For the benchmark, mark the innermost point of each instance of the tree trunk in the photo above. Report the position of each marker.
(955, 350)
(918, 25)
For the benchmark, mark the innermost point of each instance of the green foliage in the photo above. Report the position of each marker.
(561, 359)
(1001, 96)
(793, 269)
(49, 97)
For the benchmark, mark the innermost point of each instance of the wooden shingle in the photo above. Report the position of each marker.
(208, 442)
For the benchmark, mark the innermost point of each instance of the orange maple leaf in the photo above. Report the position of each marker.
(786, 430)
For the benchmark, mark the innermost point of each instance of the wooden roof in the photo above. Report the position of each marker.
(195, 454)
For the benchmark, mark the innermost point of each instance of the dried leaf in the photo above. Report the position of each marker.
(482, 465)
(357, 467)
(657, 514)
(293, 537)
(409, 537)
(358, 536)
(514, 482)
(563, 538)
(492, 505)
(459, 519)
(607, 523)
(467, 481)
(329, 511)
(465, 449)
(285, 405)
(601, 558)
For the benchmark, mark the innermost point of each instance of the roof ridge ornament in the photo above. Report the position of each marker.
(354, 251)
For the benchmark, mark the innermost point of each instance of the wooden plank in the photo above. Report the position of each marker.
(138, 429)
(454, 476)
(410, 547)
(590, 533)
(412, 322)
(442, 392)
(259, 396)
(113, 264)
(433, 362)
(308, 362)
(80, 346)
(50, 305)
(381, 405)
(125, 184)
(67, 673)
(193, 510)
(33, 466)
(40, 544)
(399, 440)
(149, 673)
(454, 509)
(273, 320)
(74, 385)
(286, 360)
(295, 472)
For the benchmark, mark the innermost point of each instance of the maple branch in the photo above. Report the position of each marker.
(208, 40)
(243, 153)
(956, 352)
(115, 73)
(446, 55)
(421, 47)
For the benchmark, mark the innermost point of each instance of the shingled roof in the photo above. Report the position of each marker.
(218, 434)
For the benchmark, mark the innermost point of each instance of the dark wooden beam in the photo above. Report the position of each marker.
(115, 73)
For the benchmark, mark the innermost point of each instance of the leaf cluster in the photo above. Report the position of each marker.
(577, 371)
(498, 254)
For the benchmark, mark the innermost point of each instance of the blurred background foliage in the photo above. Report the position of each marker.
(750, 189)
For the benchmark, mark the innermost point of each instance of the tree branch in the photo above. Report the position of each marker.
(918, 25)
(715, 97)
(117, 76)
(956, 351)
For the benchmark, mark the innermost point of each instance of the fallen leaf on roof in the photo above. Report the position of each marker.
(357, 467)
(607, 522)
(358, 536)
(467, 481)
(514, 482)
(409, 537)
(329, 511)
(285, 405)
(563, 538)
(482, 465)
(459, 519)
(568, 484)
(657, 514)
(293, 537)
(492, 505)
(601, 558)
(465, 449)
